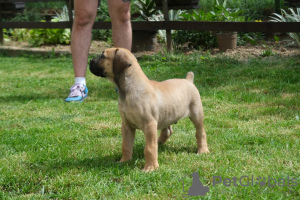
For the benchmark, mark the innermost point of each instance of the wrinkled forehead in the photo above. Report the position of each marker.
(110, 53)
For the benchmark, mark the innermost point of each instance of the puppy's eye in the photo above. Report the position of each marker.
(102, 55)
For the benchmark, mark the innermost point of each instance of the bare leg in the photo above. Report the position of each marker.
(119, 11)
(128, 135)
(85, 14)
(151, 147)
(165, 134)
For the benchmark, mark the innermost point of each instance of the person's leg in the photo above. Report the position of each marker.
(119, 11)
(84, 17)
(85, 14)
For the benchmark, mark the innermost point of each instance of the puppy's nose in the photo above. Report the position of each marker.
(92, 62)
(93, 66)
(95, 69)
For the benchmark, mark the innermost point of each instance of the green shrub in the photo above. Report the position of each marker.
(20, 34)
(195, 39)
(36, 11)
(221, 12)
(254, 9)
(292, 16)
(37, 37)
(5, 35)
(49, 36)
(102, 15)
(26, 16)
(205, 39)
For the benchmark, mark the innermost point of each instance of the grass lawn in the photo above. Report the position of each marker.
(52, 149)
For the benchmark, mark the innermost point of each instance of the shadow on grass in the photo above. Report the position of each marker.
(96, 93)
(26, 98)
(106, 163)
(175, 149)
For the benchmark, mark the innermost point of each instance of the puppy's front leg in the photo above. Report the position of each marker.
(128, 135)
(151, 147)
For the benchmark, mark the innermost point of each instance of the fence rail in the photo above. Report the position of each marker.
(267, 27)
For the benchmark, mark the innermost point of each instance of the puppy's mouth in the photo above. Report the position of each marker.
(96, 70)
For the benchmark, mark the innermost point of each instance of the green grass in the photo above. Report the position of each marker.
(51, 149)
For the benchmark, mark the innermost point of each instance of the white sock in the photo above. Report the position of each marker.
(80, 80)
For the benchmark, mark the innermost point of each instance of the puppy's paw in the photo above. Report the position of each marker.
(203, 150)
(124, 159)
(150, 168)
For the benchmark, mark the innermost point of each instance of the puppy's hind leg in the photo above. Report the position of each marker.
(165, 134)
(197, 117)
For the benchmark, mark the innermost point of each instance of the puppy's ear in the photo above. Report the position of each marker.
(121, 61)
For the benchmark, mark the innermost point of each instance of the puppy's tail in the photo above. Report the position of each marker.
(190, 77)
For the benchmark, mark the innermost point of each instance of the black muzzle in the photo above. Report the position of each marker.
(95, 69)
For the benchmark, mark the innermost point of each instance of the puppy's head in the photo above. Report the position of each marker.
(111, 62)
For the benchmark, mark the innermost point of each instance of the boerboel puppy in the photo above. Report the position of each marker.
(149, 105)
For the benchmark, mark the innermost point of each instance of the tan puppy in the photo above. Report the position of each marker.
(149, 105)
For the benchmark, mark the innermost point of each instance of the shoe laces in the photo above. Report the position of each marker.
(77, 90)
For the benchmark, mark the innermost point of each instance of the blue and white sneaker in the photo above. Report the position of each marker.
(78, 93)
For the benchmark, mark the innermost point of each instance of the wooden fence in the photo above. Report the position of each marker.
(267, 27)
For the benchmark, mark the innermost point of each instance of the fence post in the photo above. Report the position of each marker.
(70, 13)
(277, 6)
(1, 29)
(168, 32)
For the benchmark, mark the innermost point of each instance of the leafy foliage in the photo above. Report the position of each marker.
(147, 9)
(5, 35)
(252, 38)
(254, 9)
(293, 16)
(37, 37)
(195, 39)
(206, 39)
(221, 12)
(102, 15)
(21, 34)
(49, 36)
(64, 15)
